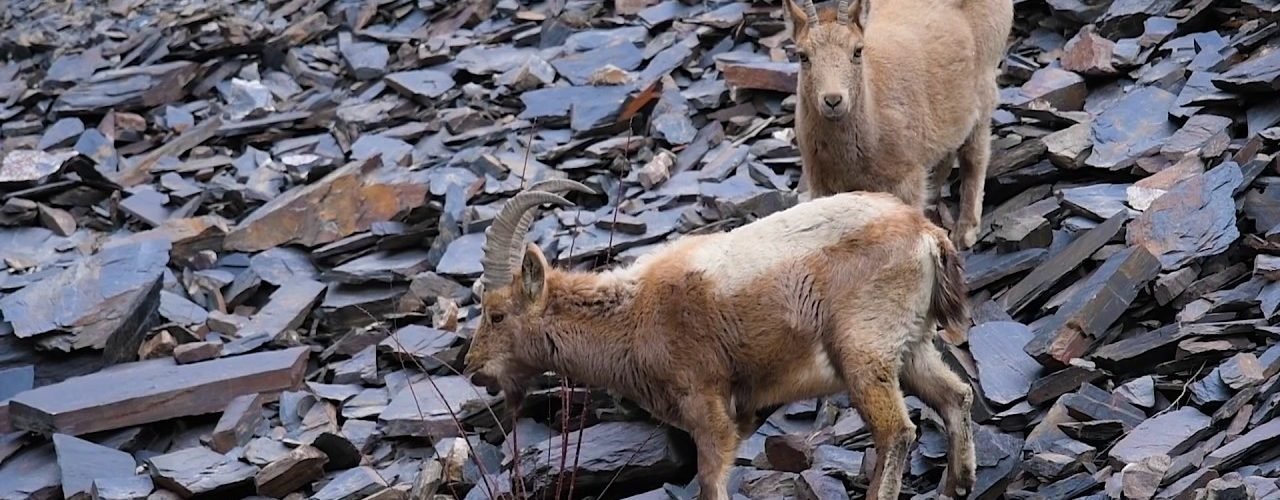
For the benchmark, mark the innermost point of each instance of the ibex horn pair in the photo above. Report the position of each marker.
(842, 10)
(504, 240)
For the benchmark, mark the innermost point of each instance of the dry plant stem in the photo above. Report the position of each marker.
(418, 405)
(608, 252)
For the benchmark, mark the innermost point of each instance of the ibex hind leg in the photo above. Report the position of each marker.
(975, 155)
(926, 376)
(935, 206)
(872, 375)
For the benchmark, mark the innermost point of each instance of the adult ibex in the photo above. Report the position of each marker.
(893, 91)
(841, 293)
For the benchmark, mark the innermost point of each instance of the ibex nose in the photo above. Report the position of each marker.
(832, 100)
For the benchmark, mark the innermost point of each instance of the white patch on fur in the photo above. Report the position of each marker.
(737, 258)
(927, 254)
(821, 367)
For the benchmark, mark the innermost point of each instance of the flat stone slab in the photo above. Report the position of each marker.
(151, 391)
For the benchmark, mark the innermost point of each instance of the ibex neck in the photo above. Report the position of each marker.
(850, 136)
(589, 322)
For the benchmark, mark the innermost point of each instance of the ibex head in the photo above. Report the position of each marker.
(513, 294)
(830, 52)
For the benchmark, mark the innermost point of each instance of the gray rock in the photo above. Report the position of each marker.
(423, 85)
(1135, 127)
(1161, 435)
(82, 462)
(123, 488)
(612, 452)
(353, 484)
(1005, 371)
(1196, 218)
(201, 471)
(419, 410)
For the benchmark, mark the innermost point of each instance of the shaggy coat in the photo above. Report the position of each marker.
(842, 293)
(896, 92)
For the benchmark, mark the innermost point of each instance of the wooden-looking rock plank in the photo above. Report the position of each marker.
(150, 391)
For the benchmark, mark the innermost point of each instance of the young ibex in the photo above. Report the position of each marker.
(889, 93)
(841, 293)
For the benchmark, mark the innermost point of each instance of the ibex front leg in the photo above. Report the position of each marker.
(873, 386)
(716, 436)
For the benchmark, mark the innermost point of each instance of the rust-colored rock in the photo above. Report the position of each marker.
(348, 200)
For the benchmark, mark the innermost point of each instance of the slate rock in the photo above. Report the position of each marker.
(367, 60)
(289, 474)
(195, 352)
(462, 257)
(282, 265)
(1063, 90)
(23, 165)
(353, 484)
(1089, 53)
(1242, 370)
(380, 267)
(346, 201)
(579, 68)
(1004, 369)
(1140, 391)
(420, 344)
(1203, 134)
(61, 134)
(813, 485)
(31, 474)
(419, 410)
(1196, 218)
(1136, 126)
(1160, 435)
(150, 391)
(1259, 74)
(123, 488)
(82, 462)
(1142, 479)
(1070, 147)
(1052, 466)
(611, 452)
(423, 85)
(285, 310)
(671, 120)
(1229, 487)
(1245, 447)
(200, 471)
(1099, 201)
(428, 286)
(774, 76)
(107, 300)
(238, 422)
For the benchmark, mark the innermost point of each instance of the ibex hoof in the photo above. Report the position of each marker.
(964, 236)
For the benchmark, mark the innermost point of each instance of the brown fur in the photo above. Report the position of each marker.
(703, 349)
(950, 295)
(919, 97)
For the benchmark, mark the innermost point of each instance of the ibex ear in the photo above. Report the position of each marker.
(799, 19)
(533, 273)
(858, 12)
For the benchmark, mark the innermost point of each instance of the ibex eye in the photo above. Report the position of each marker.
(804, 58)
(496, 318)
(857, 52)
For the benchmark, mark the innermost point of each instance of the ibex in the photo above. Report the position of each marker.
(841, 293)
(888, 94)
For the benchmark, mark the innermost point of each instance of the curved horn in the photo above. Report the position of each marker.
(500, 237)
(812, 11)
(555, 186)
(842, 12)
